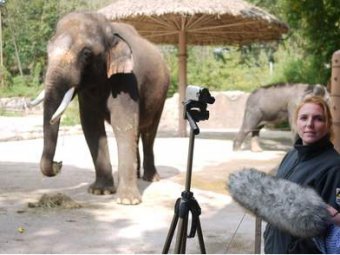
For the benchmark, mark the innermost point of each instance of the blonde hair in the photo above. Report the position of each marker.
(320, 101)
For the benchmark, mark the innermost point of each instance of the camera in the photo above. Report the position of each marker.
(196, 102)
(196, 93)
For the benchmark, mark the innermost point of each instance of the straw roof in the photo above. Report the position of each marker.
(204, 21)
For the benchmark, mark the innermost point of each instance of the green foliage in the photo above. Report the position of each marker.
(36, 75)
(303, 56)
(314, 30)
(319, 24)
(221, 68)
(27, 27)
(7, 113)
(170, 57)
(5, 78)
(22, 88)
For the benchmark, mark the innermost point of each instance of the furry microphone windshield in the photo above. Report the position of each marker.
(290, 207)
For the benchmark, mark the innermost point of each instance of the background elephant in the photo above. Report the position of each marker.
(273, 103)
(120, 78)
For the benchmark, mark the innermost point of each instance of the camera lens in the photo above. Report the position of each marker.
(206, 97)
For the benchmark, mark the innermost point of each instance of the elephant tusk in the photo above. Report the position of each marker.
(63, 105)
(38, 99)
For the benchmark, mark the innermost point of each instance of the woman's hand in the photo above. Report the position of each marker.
(335, 214)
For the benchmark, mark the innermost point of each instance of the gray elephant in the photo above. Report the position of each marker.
(120, 78)
(273, 103)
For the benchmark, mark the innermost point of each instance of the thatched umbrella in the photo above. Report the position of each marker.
(196, 22)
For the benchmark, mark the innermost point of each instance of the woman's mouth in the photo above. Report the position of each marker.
(309, 133)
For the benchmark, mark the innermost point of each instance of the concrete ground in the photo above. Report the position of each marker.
(101, 225)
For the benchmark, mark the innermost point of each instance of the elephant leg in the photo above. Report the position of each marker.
(238, 140)
(255, 144)
(127, 191)
(95, 135)
(250, 122)
(150, 172)
(124, 121)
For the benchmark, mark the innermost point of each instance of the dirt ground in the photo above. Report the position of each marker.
(98, 224)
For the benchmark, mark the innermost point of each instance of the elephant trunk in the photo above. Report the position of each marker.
(54, 105)
(62, 78)
(47, 166)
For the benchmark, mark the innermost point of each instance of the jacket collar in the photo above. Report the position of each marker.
(309, 151)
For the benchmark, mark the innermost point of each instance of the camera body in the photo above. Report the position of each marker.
(195, 105)
(196, 93)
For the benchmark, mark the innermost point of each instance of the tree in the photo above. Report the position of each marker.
(27, 27)
(314, 35)
(319, 23)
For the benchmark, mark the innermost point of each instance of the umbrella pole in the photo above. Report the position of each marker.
(182, 82)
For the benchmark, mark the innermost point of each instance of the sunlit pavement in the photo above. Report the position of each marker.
(103, 226)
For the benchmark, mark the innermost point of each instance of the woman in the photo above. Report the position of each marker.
(312, 162)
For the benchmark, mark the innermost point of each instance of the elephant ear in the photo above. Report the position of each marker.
(119, 57)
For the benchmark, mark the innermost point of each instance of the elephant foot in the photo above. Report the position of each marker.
(128, 196)
(53, 170)
(151, 176)
(255, 147)
(102, 188)
(236, 146)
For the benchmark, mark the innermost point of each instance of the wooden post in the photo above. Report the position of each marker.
(182, 82)
(335, 98)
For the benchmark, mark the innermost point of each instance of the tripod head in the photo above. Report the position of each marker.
(197, 100)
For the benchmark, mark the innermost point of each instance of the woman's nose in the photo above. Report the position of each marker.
(310, 122)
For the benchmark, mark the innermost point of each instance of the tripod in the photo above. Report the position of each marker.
(187, 203)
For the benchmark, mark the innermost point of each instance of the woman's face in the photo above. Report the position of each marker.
(311, 123)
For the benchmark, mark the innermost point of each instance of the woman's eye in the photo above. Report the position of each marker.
(320, 118)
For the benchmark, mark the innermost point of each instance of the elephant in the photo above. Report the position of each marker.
(119, 78)
(274, 103)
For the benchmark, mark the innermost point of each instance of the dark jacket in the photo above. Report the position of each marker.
(317, 166)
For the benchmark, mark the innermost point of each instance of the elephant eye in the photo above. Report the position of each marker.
(86, 53)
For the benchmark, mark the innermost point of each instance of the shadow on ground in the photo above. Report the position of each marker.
(103, 226)
(100, 225)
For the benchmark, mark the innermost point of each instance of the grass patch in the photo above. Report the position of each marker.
(8, 113)
(20, 88)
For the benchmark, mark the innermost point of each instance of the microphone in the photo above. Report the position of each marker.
(286, 205)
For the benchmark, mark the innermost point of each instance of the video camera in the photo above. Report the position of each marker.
(196, 93)
(195, 105)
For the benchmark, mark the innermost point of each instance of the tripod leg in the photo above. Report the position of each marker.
(170, 234)
(181, 235)
(184, 237)
(200, 237)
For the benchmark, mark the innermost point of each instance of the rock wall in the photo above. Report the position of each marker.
(226, 113)
(19, 105)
